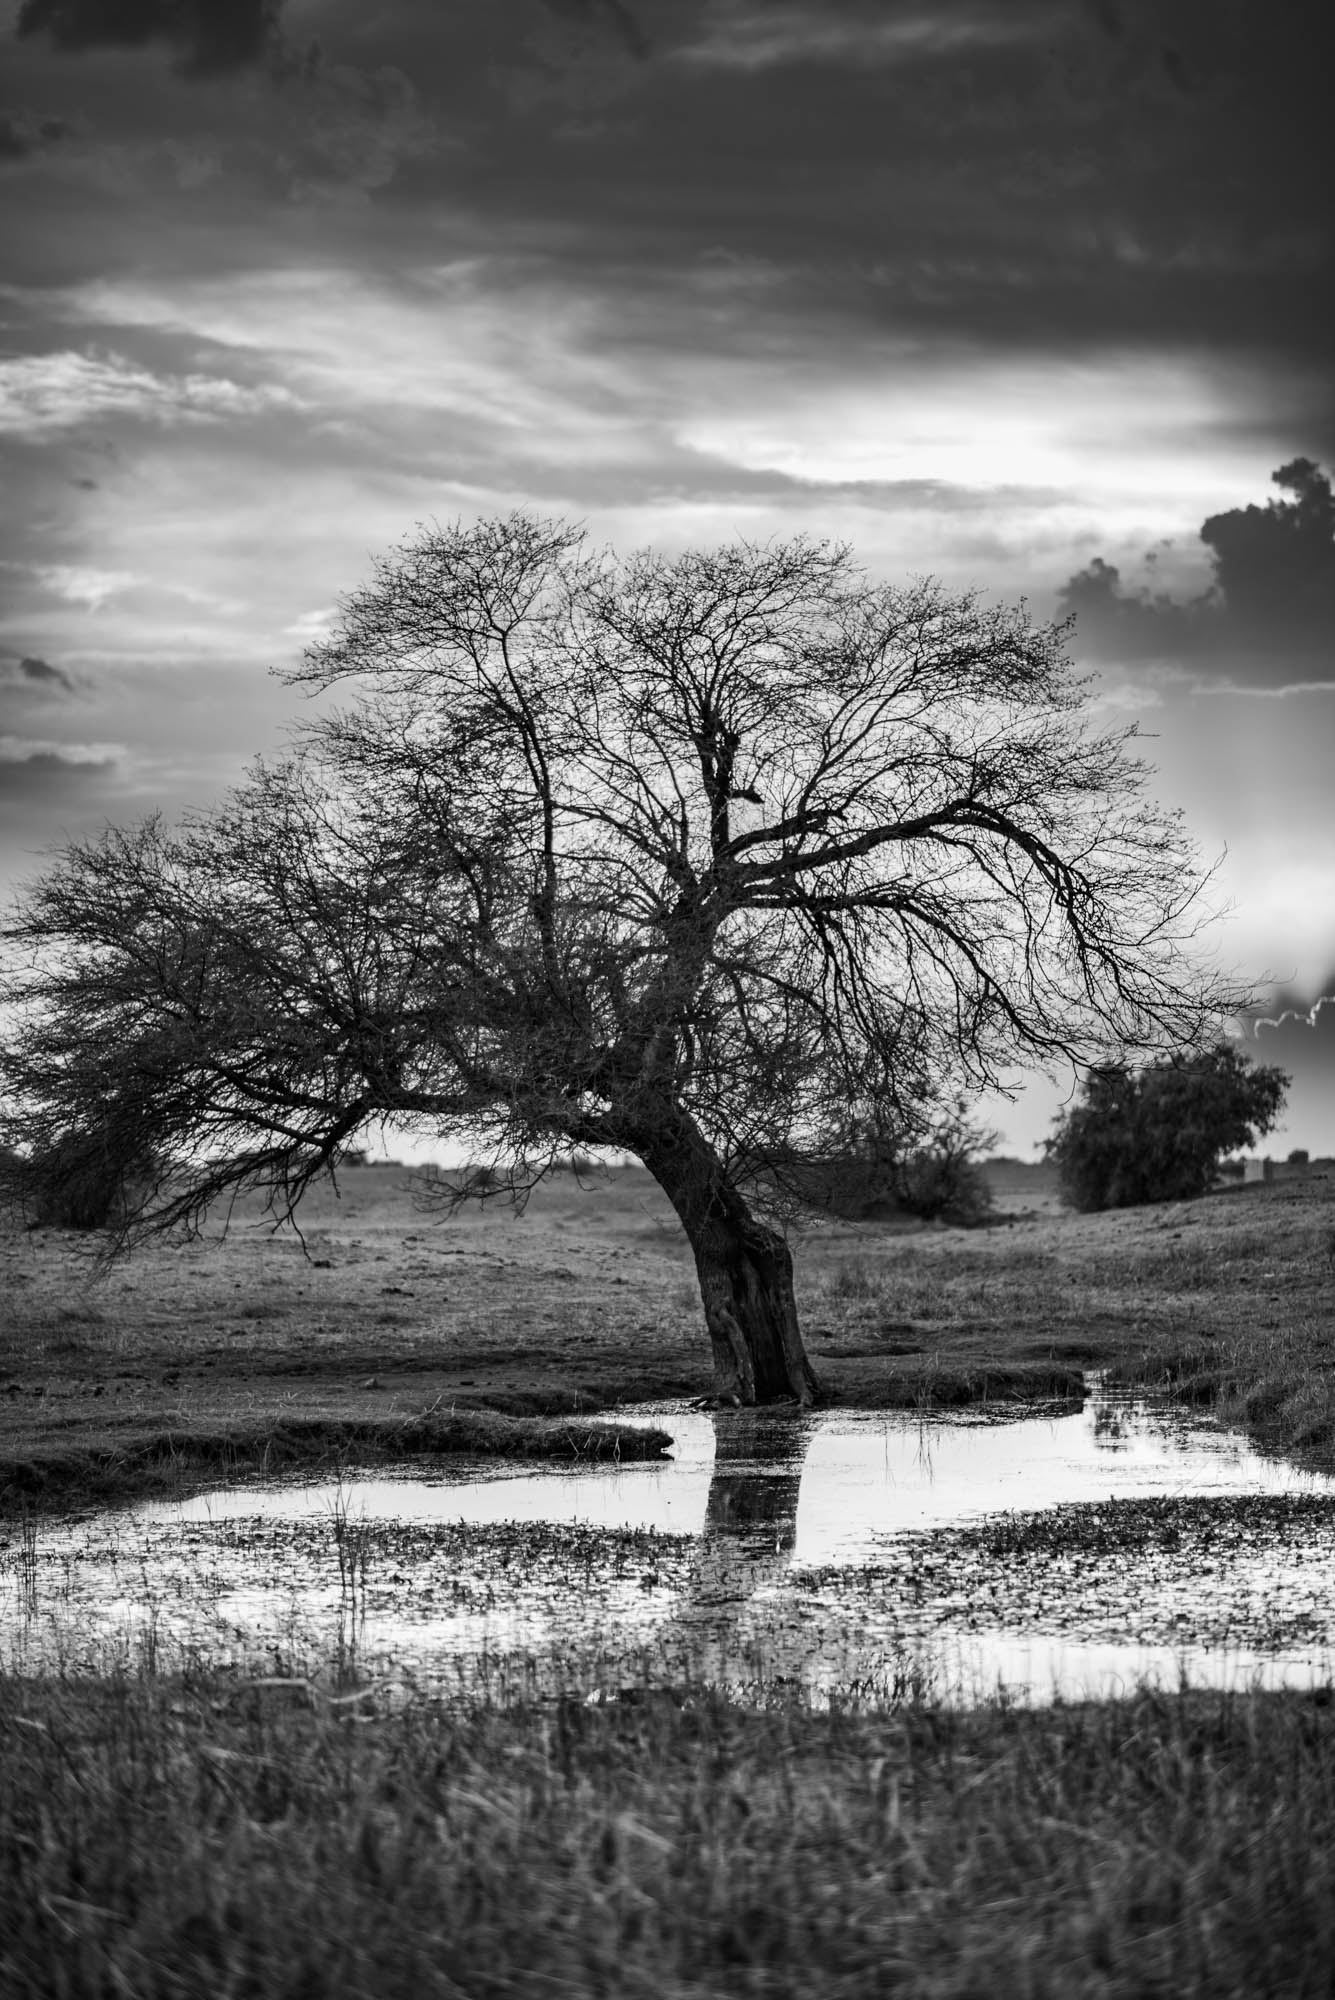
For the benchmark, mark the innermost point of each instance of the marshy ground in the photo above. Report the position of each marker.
(175, 1828)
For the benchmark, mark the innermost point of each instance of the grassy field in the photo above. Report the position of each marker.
(204, 1833)
(391, 1330)
(169, 1838)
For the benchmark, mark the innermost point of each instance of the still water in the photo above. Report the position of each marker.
(953, 1556)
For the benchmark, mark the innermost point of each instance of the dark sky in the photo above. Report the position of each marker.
(1024, 295)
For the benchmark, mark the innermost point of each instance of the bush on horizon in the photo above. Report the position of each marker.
(1159, 1134)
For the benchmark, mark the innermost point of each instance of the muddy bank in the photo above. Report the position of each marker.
(94, 1469)
(176, 1461)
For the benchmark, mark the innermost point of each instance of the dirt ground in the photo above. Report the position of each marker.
(587, 1299)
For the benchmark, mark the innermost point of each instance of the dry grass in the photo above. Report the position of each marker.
(1228, 1301)
(587, 1301)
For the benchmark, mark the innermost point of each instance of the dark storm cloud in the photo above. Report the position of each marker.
(1022, 174)
(208, 36)
(1000, 174)
(42, 673)
(1271, 604)
(48, 780)
(612, 13)
(22, 135)
(323, 126)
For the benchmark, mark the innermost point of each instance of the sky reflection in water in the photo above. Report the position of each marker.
(846, 1550)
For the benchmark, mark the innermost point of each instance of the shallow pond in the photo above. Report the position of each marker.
(887, 1553)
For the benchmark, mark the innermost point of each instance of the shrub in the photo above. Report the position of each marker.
(1157, 1134)
(940, 1179)
(934, 1174)
(943, 1186)
(851, 1184)
(83, 1181)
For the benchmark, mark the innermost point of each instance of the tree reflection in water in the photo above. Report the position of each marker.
(757, 1476)
(728, 1624)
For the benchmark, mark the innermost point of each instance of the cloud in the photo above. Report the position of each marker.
(1275, 565)
(1270, 606)
(208, 37)
(311, 626)
(1281, 693)
(752, 37)
(78, 584)
(320, 126)
(51, 392)
(40, 673)
(22, 134)
(612, 12)
(37, 775)
(26, 749)
(358, 125)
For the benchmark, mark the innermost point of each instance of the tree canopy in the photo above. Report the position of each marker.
(695, 857)
(1159, 1134)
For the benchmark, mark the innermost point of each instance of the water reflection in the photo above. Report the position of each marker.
(1114, 1425)
(757, 1478)
(837, 1550)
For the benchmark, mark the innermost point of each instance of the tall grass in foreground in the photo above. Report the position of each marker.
(205, 1836)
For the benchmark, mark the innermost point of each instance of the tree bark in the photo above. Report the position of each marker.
(745, 1271)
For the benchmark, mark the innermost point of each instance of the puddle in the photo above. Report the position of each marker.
(953, 1556)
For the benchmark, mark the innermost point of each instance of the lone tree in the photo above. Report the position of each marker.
(693, 858)
(1158, 1134)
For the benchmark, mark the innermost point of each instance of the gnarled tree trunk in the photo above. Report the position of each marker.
(745, 1271)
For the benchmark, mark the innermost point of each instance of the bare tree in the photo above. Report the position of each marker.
(689, 858)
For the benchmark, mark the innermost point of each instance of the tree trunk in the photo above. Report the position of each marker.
(745, 1271)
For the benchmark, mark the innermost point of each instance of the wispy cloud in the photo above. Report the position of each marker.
(753, 37)
(30, 749)
(76, 584)
(311, 626)
(491, 359)
(1290, 689)
(58, 391)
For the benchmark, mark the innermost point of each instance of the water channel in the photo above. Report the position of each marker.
(887, 1555)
